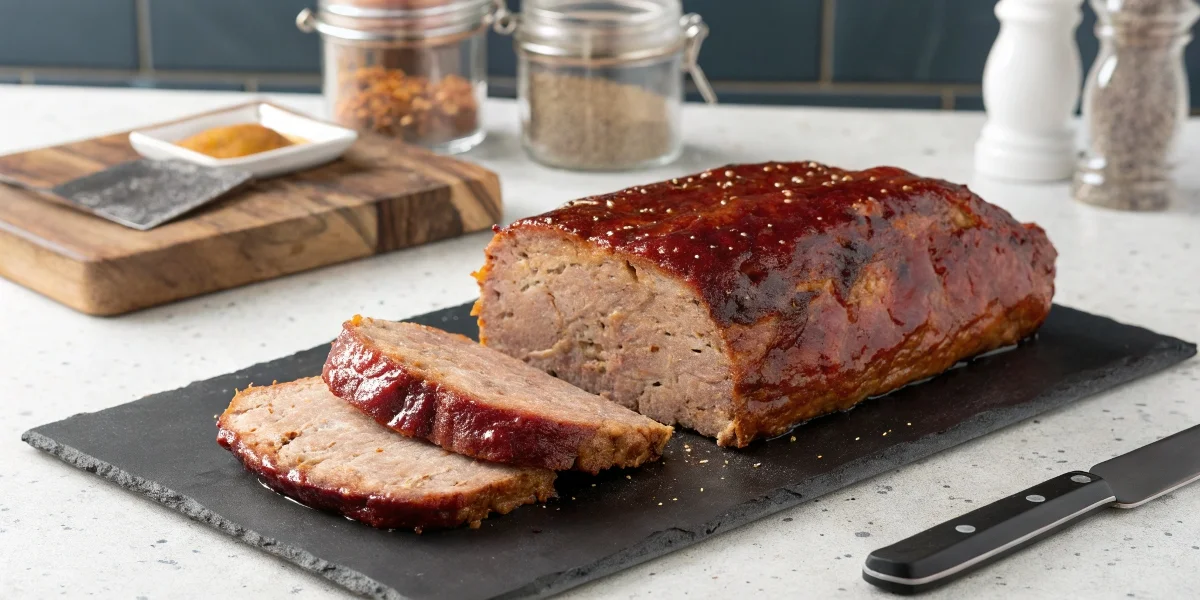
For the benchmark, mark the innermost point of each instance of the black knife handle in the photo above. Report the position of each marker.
(948, 551)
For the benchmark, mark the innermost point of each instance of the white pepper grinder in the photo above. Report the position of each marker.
(1030, 87)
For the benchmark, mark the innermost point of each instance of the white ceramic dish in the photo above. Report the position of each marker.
(324, 142)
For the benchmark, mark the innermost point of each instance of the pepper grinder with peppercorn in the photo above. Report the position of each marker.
(1030, 86)
(1135, 103)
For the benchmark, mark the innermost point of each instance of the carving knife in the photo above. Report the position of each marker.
(948, 551)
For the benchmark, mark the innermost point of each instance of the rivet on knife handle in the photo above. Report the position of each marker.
(948, 551)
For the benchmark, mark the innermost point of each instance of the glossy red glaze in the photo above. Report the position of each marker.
(828, 285)
(406, 402)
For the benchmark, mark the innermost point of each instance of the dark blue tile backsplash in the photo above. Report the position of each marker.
(231, 35)
(99, 34)
(922, 41)
(760, 40)
(921, 54)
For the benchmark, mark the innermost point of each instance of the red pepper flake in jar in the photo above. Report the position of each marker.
(417, 109)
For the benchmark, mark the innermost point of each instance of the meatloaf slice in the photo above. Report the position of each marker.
(427, 383)
(744, 300)
(308, 444)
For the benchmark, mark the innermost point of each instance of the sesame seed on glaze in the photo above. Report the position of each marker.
(703, 218)
(729, 173)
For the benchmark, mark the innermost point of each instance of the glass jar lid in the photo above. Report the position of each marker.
(626, 29)
(1145, 22)
(609, 32)
(376, 20)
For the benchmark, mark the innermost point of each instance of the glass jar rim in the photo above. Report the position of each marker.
(383, 20)
(600, 28)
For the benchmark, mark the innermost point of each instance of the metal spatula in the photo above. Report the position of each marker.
(956, 547)
(143, 194)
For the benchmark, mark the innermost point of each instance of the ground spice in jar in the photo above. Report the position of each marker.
(595, 122)
(1135, 106)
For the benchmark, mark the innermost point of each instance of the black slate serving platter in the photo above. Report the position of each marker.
(164, 447)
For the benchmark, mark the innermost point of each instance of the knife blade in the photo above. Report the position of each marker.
(952, 549)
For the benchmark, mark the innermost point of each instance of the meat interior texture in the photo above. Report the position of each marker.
(446, 388)
(306, 443)
(743, 300)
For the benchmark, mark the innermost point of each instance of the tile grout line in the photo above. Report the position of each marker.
(144, 39)
(252, 83)
(866, 87)
(931, 89)
(825, 68)
(175, 76)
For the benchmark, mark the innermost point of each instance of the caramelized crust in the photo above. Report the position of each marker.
(445, 388)
(307, 444)
(826, 285)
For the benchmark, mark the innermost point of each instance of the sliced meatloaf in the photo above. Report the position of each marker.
(744, 300)
(308, 444)
(446, 388)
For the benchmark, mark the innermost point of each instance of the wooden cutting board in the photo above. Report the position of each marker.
(382, 195)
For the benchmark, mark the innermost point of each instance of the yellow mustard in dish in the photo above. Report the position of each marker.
(235, 141)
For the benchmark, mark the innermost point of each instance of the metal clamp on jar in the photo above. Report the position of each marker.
(412, 69)
(600, 83)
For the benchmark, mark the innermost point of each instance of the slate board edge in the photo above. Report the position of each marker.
(665, 542)
(1169, 351)
(347, 578)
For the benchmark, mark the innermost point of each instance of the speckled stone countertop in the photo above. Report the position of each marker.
(65, 533)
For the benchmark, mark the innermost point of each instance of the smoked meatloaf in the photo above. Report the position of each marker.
(446, 388)
(741, 301)
(308, 444)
